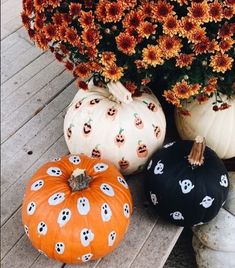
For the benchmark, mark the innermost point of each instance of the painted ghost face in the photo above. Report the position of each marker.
(123, 182)
(54, 171)
(64, 217)
(59, 247)
(42, 228)
(56, 199)
(74, 159)
(107, 189)
(37, 185)
(86, 257)
(100, 167)
(207, 201)
(31, 208)
(111, 238)
(224, 181)
(106, 212)
(153, 198)
(83, 205)
(126, 210)
(86, 236)
(177, 215)
(159, 168)
(186, 186)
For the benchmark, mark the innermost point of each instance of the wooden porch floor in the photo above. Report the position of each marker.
(35, 92)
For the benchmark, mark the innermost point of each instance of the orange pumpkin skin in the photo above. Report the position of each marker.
(57, 222)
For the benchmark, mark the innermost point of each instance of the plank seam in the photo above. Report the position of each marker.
(11, 33)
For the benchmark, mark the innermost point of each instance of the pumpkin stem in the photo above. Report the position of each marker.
(79, 180)
(196, 155)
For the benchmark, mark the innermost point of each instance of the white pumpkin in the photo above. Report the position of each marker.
(218, 127)
(114, 126)
(214, 242)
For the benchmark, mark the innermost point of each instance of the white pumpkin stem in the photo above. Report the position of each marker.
(79, 180)
(119, 93)
(196, 155)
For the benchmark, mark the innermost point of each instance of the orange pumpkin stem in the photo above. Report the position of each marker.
(79, 180)
(196, 155)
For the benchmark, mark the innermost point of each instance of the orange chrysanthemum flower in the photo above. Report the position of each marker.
(54, 3)
(171, 25)
(130, 4)
(201, 47)
(25, 20)
(221, 62)
(114, 12)
(199, 12)
(75, 9)
(170, 46)
(152, 55)
(62, 32)
(40, 5)
(141, 64)
(213, 46)
(146, 29)
(108, 58)
(72, 36)
(82, 70)
(215, 11)
(86, 19)
(91, 37)
(101, 10)
(92, 53)
(161, 10)
(182, 90)
(226, 44)
(186, 26)
(228, 12)
(182, 2)
(69, 65)
(225, 31)
(230, 2)
(58, 19)
(194, 89)
(112, 72)
(41, 41)
(126, 43)
(133, 19)
(197, 35)
(94, 66)
(28, 7)
(146, 8)
(50, 31)
(38, 23)
(184, 60)
(135, 33)
(171, 98)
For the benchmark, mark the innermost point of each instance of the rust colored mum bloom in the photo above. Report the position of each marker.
(54, 3)
(41, 41)
(228, 12)
(126, 43)
(114, 12)
(71, 36)
(95, 66)
(91, 37)
(171, 25)
(187, 26)
(215, 11)
(58, 19)
(184, 60)
(213, 46)
(28, 7)
(38, 23)
(199, 12)
(146, 29)
(221, 63)
(50, 31)
(146, 8)
(171, 98)
(194, 89)
(40, 5)
(226, 44)
(86, 19)
(140, 64)
(69, 65)
(82, 70)
(108, 58)
(82, 84)
(133, 19)
(130, 4)
(152, 55)
(113, 72)
(225, 31)
(161, 10)
(197, 35)
(170, 46)
(101, 10)
(202, 46)
(75, 9)
(182, 90)
(25, 20)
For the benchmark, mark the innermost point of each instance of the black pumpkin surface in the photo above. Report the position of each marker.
(186, 194)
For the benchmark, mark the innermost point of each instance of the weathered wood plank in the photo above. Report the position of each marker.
(25, 75)
(43, 261)
(10, 14)
(158, 245)
(34, 105)
(30, 131)
(29, 89)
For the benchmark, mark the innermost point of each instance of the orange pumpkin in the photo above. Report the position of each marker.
(76, 208)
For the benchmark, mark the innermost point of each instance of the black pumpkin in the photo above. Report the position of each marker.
(186, 182)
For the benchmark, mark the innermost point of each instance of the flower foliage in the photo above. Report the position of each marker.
(190, 42)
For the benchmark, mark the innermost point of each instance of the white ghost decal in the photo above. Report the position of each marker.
(42, 228)
(123, 182)
(37, 185)
(107, 189)
(59, 247)
(86, 257)
(159, 168)
(100, 167)
(224, 181)
(126, 210)
(186, 186)
(207, 201)
(31, 208)
(153, 198)
(111, 238)
(83, 205)
(106, 212)
(56, 199)
(86, 236)
(54, 171)
(74, 159)
(177, 215)
(64, 217)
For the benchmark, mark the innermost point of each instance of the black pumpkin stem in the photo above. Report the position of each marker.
(196, 155)
(79, 180)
